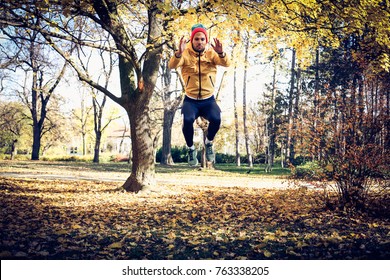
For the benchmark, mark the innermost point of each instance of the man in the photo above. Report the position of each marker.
(198, 64)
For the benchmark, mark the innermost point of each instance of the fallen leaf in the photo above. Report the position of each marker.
(116, 245)
(267, 254)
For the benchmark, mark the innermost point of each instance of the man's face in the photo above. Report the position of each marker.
(199, 42)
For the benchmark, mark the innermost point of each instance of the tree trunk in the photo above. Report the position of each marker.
(143, 168)
(97, 121)
(290, 145)
(34, 115)
(84, 136)
(237, 130)
(138, 109)
(166, 157)
(315, 138)
(295, 132)
(386, 131)
(13, 149)
(96, 154)
(246, 132)
(39, 107)
(36, 143)
(37, 120)
(272, 128)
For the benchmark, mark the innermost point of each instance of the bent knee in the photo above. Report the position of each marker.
(188, 120)
(215, 119)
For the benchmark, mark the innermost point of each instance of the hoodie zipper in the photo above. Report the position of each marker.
(200, 80)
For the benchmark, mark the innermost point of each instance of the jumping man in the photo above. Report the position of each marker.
(198, 64)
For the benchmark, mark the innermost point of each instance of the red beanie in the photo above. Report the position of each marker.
(199, 29)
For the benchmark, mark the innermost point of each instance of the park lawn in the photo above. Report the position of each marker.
(123, 167)
(57, 219)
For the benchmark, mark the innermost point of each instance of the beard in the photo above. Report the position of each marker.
(198, 48)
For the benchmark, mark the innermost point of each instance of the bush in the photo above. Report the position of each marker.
(300, 160)
(179, 154)
(309, 171)
(257, 159)
(224, 158)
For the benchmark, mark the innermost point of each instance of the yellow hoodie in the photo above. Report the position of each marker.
(198, 71)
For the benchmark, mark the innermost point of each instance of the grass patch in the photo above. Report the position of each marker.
(123, 167)
(258, 169)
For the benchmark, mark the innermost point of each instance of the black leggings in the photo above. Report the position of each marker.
(192, 109)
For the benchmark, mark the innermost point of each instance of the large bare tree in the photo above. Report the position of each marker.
(135, 30)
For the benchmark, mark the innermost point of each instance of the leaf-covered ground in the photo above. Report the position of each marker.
(49, 219)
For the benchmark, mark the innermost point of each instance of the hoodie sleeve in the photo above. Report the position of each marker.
(175, 62)
(222, 61)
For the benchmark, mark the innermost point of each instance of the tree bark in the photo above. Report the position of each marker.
(97, 120)
(295, 132)
(272, 129)
(315, 138)
(96, 153)
(166, 157)
(237, 130)
(34, 109)
(246, 131)
(14, 150)
(290, 145)
(143, 168)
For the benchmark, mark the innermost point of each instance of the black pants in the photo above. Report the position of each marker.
(192, 109)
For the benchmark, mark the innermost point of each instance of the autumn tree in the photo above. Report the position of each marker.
(244, 102)
(13, 125)
(100, 123)
(355, 145)
(270, 123)
(83, 117)
(358, 94)
(58, 123)
(99, 104)
(40, 79)
(347, 140)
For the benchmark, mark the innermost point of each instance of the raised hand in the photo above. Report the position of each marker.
(182, 46)
(218, 46)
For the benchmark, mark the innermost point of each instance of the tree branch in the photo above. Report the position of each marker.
(82, 75)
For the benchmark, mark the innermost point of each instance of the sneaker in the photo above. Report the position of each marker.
(209, 152)
(192, 160)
